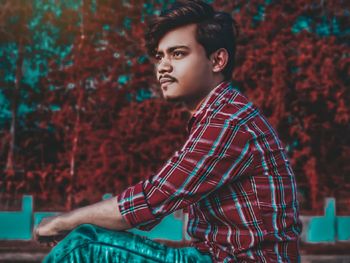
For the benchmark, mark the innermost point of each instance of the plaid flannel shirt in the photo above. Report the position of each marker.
(233, 176)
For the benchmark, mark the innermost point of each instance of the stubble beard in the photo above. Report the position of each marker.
(187, 100)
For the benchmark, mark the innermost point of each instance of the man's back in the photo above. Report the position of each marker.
(254, 216)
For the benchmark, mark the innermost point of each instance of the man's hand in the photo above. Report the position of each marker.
(50, 231)
(105, 214)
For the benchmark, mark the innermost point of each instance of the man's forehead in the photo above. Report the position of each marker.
(182, 37)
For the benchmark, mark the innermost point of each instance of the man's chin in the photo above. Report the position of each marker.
(172, 98)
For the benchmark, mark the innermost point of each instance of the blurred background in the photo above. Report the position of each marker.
(82, 115)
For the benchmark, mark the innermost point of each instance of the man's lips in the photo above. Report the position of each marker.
(165, 80)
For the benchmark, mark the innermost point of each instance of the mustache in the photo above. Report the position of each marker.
(168, 77)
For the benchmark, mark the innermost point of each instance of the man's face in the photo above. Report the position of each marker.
(182, 59)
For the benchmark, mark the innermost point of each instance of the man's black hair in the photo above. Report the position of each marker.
(215, 29)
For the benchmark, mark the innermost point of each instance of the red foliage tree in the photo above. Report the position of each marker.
(111, 127)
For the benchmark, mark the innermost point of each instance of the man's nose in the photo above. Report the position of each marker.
(164, 65)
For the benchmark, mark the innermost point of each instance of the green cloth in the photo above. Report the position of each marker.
(90, 243)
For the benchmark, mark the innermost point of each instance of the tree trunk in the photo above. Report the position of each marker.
(10, 163)
(80, 87)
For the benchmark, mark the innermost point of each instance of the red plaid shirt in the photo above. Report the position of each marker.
(234, 177)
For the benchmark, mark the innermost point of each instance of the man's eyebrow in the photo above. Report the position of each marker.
(170, 49)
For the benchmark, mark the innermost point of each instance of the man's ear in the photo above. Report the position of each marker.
(219, 59)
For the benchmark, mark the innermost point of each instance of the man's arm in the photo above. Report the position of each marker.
(104, 213)
(216, 152)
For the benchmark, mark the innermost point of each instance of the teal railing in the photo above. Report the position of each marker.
(18, 225)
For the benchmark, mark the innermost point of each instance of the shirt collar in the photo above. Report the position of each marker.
(210, 99)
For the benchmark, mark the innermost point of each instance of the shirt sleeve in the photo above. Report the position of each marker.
(216, 151)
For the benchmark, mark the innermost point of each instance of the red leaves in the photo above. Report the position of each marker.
(300, 81)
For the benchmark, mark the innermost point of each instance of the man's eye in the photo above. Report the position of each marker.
(178, 52)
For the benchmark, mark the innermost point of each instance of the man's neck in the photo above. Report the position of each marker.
(193, 104)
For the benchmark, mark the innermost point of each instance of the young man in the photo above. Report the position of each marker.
(232, 173)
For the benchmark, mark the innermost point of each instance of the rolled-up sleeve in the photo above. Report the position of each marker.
(216, 151)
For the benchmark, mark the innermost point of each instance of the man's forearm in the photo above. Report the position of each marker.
(105, 214)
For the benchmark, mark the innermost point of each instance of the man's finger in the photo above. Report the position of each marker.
(34, 233)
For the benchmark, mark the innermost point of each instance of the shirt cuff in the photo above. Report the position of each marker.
(134, 208)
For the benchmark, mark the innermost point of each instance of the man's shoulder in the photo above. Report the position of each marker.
(235, 108)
